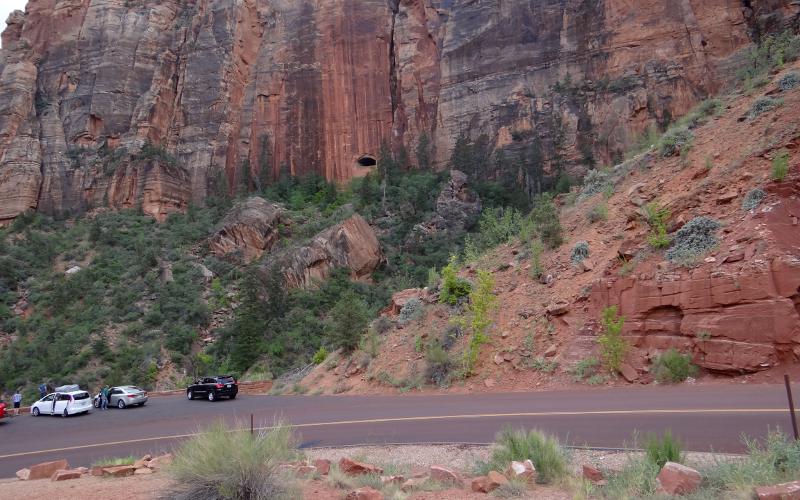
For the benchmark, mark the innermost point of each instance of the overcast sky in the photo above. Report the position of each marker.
(6, 6)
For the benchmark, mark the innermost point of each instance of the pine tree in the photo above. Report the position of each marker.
(348, 321)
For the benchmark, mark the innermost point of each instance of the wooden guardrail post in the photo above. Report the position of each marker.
(791, 405)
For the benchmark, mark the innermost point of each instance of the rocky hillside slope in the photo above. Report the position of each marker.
(728, 297)
(156, 103)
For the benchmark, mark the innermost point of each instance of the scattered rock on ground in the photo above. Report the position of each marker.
(523, 470)
(365, 493)
(784, 491)
(593, 474)
(445, 475)
(353, 468)
(677, 479)
(323, 466)
(64, 475)
(44, 470)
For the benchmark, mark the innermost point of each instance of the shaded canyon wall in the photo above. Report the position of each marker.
(158, 103)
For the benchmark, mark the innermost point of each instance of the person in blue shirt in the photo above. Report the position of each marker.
(42, 390)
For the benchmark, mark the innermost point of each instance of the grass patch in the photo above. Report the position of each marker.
(546, 453)
(225, 464)
(660, 450)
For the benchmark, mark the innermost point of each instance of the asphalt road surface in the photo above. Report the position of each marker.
(704, 417)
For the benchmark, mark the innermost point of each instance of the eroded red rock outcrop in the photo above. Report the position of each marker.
(351, 244)
(245, 90)
(249, 229)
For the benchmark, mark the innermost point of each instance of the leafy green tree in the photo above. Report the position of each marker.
(612, 345)
(348, 321)
(478, 318)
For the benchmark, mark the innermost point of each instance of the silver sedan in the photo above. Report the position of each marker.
(123, 396)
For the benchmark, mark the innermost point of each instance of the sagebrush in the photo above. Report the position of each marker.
(221, 463)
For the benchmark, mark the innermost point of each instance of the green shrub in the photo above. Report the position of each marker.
(579, 252)
(478, 317)
(672, 366)
(597, 213)
(662, 450)
(232, 464)
(536, 258)
(596, 181)
(657, 217)
(439, 365)
(612, 345)
(585, 368)
(695, 238)
(775, 461)
(543, 365)
(789, 81)
(753, 199)
(773, 52)
(780, 166)
(411, 310)
(546, 453)
(544, 217)
(319, 356)
(762, 105)
(675, 141)
(453, 288)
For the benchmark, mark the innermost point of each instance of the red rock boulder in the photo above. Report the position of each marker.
(45, 470)
(445, 475)
(677, 479)
(64, 475)
(353, 468)
(784, 491)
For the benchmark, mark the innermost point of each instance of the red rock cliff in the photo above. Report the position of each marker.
(254, 87)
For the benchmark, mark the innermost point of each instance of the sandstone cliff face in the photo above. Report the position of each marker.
(247, 89)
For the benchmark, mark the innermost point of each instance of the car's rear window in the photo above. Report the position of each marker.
(133, 388)
(225, 380)
(80, 395)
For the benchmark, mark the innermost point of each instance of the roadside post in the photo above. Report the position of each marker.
(252, 431)
(791, 405)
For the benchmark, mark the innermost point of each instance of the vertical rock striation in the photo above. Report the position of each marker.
(239, 92)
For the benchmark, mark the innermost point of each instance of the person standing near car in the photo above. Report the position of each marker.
(17, 399)
(42, 390)
(104, 398)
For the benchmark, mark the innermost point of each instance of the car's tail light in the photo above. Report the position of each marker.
(220, 386)
(131, 395)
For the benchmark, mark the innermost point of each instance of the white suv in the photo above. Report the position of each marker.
(63, 403)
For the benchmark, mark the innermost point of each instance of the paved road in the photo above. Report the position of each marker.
(705, 417)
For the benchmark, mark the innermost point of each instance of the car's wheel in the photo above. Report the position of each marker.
(211, 396)
(35, 411)
(97, 403)
(233, 396)
(189, 395)
(121, 404)
(65, 414)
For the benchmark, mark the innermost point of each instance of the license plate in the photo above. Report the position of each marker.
(228, 386)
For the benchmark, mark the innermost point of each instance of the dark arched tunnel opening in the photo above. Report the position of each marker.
(366, 161)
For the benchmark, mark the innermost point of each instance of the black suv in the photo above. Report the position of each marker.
(212, 388)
